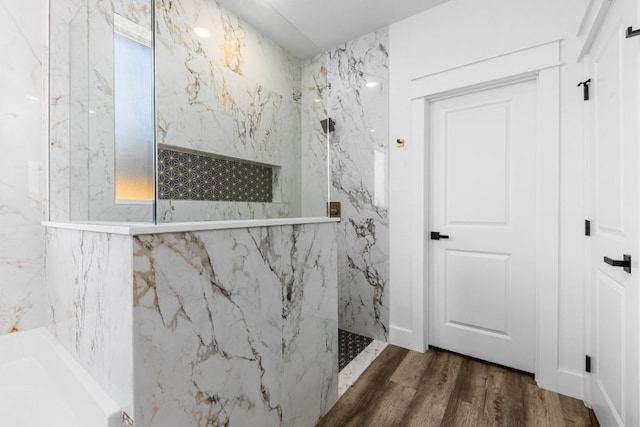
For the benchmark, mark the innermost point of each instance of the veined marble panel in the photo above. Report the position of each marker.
(22, 117)
(61, 17)
(21, 302)
(189, 210)
(235, 327)
(315, 143)
(359, 180)
(306, 262)
(235, 93)
(89, 295)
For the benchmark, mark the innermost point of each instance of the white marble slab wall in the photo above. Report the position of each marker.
(89, 295)
(23, 31)
(315, 143)
(359, 180)
(82, 139)
(235, 93)
(235, 327)
(62, 14)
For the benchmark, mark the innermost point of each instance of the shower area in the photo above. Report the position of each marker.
(192, 266)
(199, 117)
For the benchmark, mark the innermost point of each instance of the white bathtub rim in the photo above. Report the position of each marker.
(89, 398)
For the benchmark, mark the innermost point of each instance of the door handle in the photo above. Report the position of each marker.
(625, 263)
(437, 236)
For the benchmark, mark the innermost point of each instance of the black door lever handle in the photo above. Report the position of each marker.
(625, 263)
(437, 236)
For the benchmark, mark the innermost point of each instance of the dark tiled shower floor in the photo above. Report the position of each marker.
(349, 346)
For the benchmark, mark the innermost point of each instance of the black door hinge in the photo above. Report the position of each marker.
(587, 227)
(585, 85)
(587, 363)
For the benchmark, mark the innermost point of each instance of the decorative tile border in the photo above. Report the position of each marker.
(194, 175)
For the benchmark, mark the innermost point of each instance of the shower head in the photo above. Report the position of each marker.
(328, 125)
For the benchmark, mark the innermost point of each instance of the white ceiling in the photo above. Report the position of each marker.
(308, 27)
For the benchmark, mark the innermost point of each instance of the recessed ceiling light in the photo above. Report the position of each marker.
(32, 98)
(92, 111)
(371, 84)
(202, 32)
(318, 100)
(372, 130)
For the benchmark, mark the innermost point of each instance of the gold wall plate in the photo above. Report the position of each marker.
(334, 209)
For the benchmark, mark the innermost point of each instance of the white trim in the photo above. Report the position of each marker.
(547, 228)
(591, 21)
(570, 383)
(540, 63)
(508, 65)
(132, 229)
(403, 338)
(414, 339)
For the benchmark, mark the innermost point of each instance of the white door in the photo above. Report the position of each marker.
(614, 187)
(482, 196)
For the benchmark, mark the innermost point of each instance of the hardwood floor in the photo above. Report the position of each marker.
(439, 388)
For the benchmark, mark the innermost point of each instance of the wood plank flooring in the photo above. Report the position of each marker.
(440, 388)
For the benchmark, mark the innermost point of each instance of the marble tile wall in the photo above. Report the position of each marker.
(315, 143)
(82, 140)
(359, 180)
(235, 94)
(88, 300)
(235, 327)
(23, 27)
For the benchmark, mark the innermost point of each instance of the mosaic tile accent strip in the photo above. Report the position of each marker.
(349, 346)
(202, 176)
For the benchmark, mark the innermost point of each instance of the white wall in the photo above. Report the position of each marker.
(453, 34)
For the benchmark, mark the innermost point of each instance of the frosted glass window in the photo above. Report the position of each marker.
(134, 121)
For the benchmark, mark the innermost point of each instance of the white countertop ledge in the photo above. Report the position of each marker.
(137, 228)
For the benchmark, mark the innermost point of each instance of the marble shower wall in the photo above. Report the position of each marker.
(82, 138)
(235, 94)
(359, 180)
(236, 327)
(315, 144)
(23, 27)
(89, 294)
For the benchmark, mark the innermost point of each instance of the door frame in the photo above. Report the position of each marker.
(540, 63)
